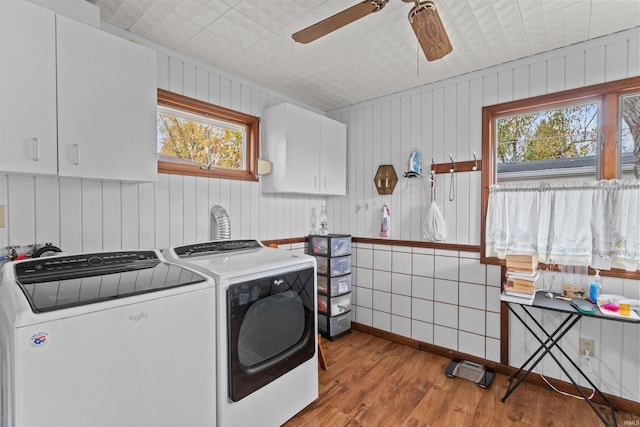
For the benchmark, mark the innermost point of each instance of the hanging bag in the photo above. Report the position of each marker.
(434, 228)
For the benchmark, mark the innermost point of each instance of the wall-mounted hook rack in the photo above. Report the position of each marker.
(466, 166)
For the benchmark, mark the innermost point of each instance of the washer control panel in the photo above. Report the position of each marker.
(216, 246)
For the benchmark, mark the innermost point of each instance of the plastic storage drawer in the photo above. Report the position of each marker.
(331, 245)
(335, 306)
(334, 266)
(333, 286)
(333, 326)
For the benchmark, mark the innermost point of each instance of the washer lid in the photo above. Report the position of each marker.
(66, 281)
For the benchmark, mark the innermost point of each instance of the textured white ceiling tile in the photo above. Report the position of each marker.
(533, 9)
(309, 4)
(455, 7)
(148, 20)
(128, 12)
(174, 30)
(271, 14)
(231, 3)
(211, 48)
(567, 26)
(167, 4)
(516, 39)
(201, 12)
(469, 27)
(238, 29)
(536, 35)
(496, 15)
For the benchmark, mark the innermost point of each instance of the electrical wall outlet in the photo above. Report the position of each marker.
(587, 345)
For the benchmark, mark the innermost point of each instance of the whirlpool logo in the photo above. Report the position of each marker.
(137, 317)
(278, 282)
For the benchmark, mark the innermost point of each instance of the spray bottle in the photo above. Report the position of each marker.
(386, 221)
(594, 288)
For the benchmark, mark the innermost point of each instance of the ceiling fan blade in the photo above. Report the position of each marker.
(338, 20)
(429, 30)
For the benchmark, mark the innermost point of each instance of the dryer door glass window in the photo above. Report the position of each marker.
(263, 334)
(271, 329)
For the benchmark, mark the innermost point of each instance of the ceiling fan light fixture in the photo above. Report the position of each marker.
(430, 32)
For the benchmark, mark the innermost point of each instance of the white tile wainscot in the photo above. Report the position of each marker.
(436, 296)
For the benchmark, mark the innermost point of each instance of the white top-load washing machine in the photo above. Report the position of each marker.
(106, 339)
(266, 329)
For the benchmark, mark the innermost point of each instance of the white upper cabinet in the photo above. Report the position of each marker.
(106, 105)
(307, 150)
(74, 100)
(27, 89)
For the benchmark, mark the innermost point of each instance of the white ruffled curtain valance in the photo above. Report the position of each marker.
(591, 223)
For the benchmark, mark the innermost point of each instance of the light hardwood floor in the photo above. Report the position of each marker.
(371, 381)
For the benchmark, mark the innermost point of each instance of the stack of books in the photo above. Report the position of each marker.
(521, 276)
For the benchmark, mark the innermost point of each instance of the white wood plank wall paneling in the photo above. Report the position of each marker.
(427, 300)
(444, 119)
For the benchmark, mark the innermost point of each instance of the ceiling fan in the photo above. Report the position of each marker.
(423, 17)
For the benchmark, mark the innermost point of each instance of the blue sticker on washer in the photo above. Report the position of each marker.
(39, 339)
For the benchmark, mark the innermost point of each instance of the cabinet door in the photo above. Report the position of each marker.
(27, 88)
(303, 147)
(292, 139)
(106, 105)
(333, 157)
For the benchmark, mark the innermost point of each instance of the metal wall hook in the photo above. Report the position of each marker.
(453, 164)
(475, 162)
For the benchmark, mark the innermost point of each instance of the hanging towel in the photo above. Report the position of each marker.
(434, 228)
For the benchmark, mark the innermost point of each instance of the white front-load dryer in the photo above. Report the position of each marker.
(267, 368)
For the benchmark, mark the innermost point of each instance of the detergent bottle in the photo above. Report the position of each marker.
(595, 287)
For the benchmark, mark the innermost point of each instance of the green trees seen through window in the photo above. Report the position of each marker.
(197, 138)
(201, 141)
